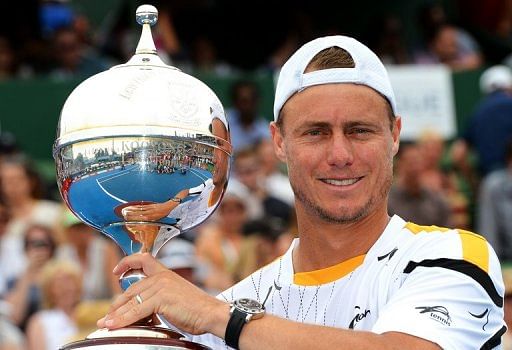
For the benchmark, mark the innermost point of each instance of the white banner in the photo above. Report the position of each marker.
(424, 96)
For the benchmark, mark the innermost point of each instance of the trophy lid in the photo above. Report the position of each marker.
(143, 97)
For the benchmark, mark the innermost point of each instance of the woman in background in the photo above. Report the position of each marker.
(24, 293)
(54, 326)
(22, 192)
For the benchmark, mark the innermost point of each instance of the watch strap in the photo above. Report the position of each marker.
(235, 325)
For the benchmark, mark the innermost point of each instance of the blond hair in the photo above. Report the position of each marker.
(48, 273)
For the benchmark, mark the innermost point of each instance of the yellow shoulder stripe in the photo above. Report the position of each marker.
(419, 228)
(329, 274)
(474, 247)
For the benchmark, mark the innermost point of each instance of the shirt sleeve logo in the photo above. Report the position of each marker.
(388, 255)
(482, 315)
(437, 313)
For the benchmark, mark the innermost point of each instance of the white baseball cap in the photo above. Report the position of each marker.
(368, 70)
(496, 78)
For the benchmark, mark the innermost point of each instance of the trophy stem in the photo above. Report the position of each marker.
(153, 321)
(130, 277)
(146, 44)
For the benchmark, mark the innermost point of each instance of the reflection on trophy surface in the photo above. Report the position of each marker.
(142, 154)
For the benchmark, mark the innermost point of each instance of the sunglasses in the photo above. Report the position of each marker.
(38, 243)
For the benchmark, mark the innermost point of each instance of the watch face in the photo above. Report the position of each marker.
(249, 305)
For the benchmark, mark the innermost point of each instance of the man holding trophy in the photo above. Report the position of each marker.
(355, 277)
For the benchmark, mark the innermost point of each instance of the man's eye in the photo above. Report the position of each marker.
(360, 131)
(314, 132)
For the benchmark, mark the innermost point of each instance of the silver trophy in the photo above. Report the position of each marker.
(142, 154)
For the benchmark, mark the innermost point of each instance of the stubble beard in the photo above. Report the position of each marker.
(344, 216)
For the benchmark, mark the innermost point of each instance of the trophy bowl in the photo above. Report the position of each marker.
(142, 154)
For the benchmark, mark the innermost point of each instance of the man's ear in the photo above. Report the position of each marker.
(277, 140)
(397, 127)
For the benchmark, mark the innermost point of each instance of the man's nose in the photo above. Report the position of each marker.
(341, 151)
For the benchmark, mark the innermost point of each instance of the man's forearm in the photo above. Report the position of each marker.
(271, 332)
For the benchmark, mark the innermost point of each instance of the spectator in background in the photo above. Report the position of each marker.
(495, 208)
(179, 255)
(4, 254)
(463, 168)
(386, 37)
(444, 47)
(72, 58)
(85, 316)
(55, 14)
(281, 54)
(11, 338)
(53, 327)
(204, 58)
(492, 22)
(24, 294)
(490, 125)
(20, 25)
(96, 256)
(22, 191)
(218, 243)
(249, 180)
(275, 181)
(246, 126)
(444, 42)
(431, 147)
(167, 42)
(8, 63)
(446, 182)
(246, 179)
(409, 199)
(258, 247)
(8, 145)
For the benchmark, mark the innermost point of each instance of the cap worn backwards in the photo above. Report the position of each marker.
(368, 70)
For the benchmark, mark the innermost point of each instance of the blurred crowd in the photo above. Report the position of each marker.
(56, 272)
(54, 38)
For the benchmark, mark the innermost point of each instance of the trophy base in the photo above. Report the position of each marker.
(135, 337)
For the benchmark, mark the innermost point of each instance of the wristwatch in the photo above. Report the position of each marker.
(242, 311)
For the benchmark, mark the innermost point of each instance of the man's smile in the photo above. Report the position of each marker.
(341, 182)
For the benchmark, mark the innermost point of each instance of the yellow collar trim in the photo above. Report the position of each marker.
(329, 274)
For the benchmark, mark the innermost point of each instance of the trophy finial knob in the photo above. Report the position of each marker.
(146, 14)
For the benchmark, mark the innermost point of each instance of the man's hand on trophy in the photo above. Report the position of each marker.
(153, 211)
(148, 212)
(164, 292)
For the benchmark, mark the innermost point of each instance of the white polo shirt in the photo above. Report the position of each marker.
(197, 208)
(438, 284)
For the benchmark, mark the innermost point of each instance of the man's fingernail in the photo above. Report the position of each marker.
(109, 323)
